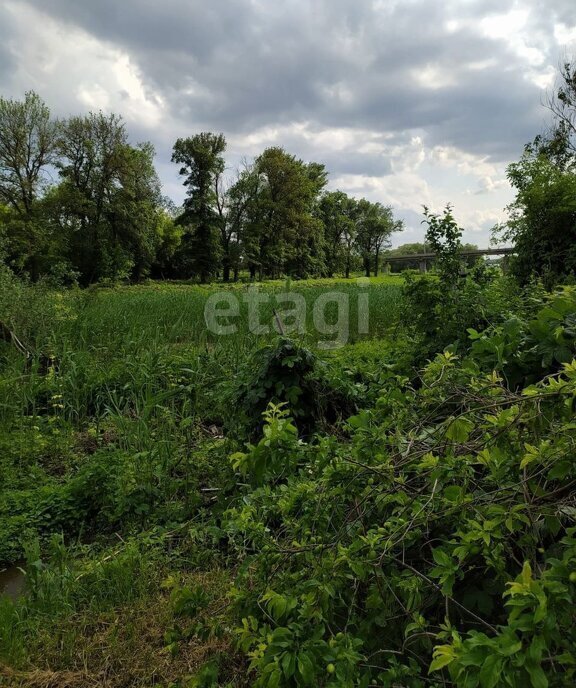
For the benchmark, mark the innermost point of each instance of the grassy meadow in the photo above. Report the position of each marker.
(358, 502)
(114, 446)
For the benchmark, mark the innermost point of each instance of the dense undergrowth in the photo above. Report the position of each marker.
(201, 511)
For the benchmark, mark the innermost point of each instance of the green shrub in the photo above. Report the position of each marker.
(284, 372)
(402, 543)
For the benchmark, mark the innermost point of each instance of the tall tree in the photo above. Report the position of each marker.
(169, 240)
(108, 202)
(542, 219)
(27, 146)
(335, 210)
(374, 225)
(234, 206)
(135, 208)
(282, 234)
(202, 163)
(89, 149)
(559, 143)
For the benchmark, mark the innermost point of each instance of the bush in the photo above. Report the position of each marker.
(439, 540)
(284, 372)
(32, 311)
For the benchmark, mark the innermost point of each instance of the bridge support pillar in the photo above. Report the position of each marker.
(423, 267)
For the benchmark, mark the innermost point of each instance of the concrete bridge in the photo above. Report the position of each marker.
(424, 258)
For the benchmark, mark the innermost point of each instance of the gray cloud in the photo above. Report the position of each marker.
(7, 54)
(390, 68)
(241, 65)
(237, 66)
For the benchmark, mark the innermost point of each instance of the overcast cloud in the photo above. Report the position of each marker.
(409, 102)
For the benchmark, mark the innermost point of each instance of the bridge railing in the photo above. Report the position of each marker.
(424, 258)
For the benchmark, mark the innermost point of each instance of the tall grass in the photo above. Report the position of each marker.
(133, 317)
(114, 426)
(109, 346)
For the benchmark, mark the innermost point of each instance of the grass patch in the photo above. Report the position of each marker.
(116, 474)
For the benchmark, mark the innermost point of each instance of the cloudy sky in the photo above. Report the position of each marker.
(408, 102)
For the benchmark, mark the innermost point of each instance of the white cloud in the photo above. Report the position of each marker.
(76, 69)
(434, 77)
(565, 35)
(516, 29)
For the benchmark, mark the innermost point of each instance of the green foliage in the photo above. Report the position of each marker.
(398, 512)
(281, 234)
(523, 349)
(326, 570)
(284, 372)
(380, 525)
(27, 148)
(27, 142)
(101, 221)
(268, 459)
(441, 309)
(286, 655)
(542, 221)
(521, 650)
(443, 236)
(201, 161)
(336, 211)
(106, 220)
(34, 312)
(106, 207)
(170, 238)
(542, 218)
(374, 223)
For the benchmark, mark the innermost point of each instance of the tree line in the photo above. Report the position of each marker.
(79, 202)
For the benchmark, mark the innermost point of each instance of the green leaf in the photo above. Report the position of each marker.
(490, 672)
(288, 664)
(459, 430)
(532, 454)
(441, 558)
(306, 669)
(453, 493)
(274, 679)
(440, 662)
(537, 677)
(443, 655)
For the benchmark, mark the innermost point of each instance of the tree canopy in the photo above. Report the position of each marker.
(103, 216)
(202, 163)
(542, 218)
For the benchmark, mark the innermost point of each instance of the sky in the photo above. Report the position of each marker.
(406, 102)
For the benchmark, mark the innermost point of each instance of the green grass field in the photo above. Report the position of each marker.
(203, 510)
(107, 441)
(172, 313)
